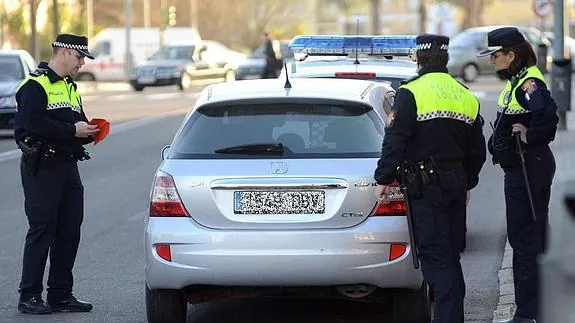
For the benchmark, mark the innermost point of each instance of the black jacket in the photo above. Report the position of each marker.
(541, 122)
(444, 139)
(56, 127)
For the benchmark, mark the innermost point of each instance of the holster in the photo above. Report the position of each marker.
(32, 150)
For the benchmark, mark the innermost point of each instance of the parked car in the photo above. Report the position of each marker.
(463, 49)
(185, 63)
(266, 190)
(109, 49)
(15, 65)
(253, 67)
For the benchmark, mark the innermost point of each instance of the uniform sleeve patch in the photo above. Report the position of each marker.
(529, 86)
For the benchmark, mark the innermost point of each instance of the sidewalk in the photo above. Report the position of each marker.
(564, 150)
(91, 87)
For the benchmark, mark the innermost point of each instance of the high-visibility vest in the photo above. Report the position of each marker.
(438, 95)
(514, 107)
(61, 94)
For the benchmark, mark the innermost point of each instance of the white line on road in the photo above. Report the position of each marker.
(119, 128)
(138, 216)
(163, 96)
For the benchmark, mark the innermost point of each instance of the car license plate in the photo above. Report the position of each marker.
(146, 79)
(279, 202)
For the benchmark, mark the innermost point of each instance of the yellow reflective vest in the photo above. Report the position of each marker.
(61, 94)
(438, 95)
(514, 107)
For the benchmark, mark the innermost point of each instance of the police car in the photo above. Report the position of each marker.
(378, 58)
(267, 189)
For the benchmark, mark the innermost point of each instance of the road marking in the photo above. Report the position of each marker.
(163, 96)
(137, 216)
(118, 128)
(480, 95)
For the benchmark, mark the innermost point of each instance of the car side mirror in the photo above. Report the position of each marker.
(165, 152)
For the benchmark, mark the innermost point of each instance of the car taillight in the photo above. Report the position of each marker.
(165, 200)
(366, 75)
(164, 251)
(396, 250)
(396, 205)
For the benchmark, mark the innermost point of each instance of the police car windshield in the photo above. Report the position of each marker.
(11, 68)
(173, 52)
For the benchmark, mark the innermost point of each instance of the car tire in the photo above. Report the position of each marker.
(412, 306)
(138, 87)
(185, 81)
(469, 73)
(86, 77)
(165, 305)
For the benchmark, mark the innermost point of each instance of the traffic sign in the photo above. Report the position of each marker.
(543, 8)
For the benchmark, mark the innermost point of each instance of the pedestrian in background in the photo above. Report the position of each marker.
(51, 129)
(271, 68)
(437, 130)
(526, 110)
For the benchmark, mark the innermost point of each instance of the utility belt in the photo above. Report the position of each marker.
(417, 175)
(37, 152)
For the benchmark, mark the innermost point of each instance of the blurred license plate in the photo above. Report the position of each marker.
(146, 79)
(279, 202)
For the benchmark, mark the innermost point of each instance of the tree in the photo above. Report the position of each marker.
(55, 18)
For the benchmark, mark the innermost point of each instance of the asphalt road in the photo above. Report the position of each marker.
(109, 268)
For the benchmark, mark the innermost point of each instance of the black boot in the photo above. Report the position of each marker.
(70, 304)
(34, 305)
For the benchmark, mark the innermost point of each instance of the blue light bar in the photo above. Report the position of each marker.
(397, 45)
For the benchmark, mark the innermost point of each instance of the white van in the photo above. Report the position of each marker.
(109, 49)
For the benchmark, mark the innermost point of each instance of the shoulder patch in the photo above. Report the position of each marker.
(529, 86)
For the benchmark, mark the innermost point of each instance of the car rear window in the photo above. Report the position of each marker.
(304, 130)
(11, 68)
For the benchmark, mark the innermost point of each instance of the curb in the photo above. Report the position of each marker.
(506, 304)
(88, 87)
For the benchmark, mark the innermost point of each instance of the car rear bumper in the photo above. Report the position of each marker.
(201, 256)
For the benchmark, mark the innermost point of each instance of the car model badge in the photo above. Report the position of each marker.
(279, 168)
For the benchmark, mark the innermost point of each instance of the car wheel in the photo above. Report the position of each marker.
(185, 81)
(138, 87)
(412, 306)
(230, 76)
(469, 73)
(165, 305)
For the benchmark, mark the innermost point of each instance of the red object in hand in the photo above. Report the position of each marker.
(104, 127)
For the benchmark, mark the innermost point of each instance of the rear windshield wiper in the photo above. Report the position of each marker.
(255, 149)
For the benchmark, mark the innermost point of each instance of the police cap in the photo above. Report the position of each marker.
(431, 42)
(500, 38)
(79, 43)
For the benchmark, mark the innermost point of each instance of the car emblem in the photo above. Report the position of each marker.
(279, 168)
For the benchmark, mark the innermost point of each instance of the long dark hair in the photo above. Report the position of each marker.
(524, 57)
(432, 59)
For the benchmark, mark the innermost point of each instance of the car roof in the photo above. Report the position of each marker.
(11, 52)
(329, 89)
(328, 67)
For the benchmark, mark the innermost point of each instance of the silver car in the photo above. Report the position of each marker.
(463, 49)
(268, 188)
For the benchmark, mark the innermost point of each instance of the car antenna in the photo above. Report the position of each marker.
(287, 85)
(357, 43)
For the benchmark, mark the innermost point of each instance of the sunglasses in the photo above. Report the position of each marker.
(496, 55)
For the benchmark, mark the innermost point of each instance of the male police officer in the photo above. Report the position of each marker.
(50, 129)
(437, 129)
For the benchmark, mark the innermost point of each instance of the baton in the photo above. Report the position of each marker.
(521, 152)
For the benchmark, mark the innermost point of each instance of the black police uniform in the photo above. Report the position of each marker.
(526, 236)
(455, 150)
(53, 189)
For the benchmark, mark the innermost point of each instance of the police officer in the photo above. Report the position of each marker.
(527, 109)
(50, 129)
(437, 128)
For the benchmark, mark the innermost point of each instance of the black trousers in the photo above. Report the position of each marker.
(439, 227)
(528, 238)
(55, 209)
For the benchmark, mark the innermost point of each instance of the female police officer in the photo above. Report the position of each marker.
(526, 121)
